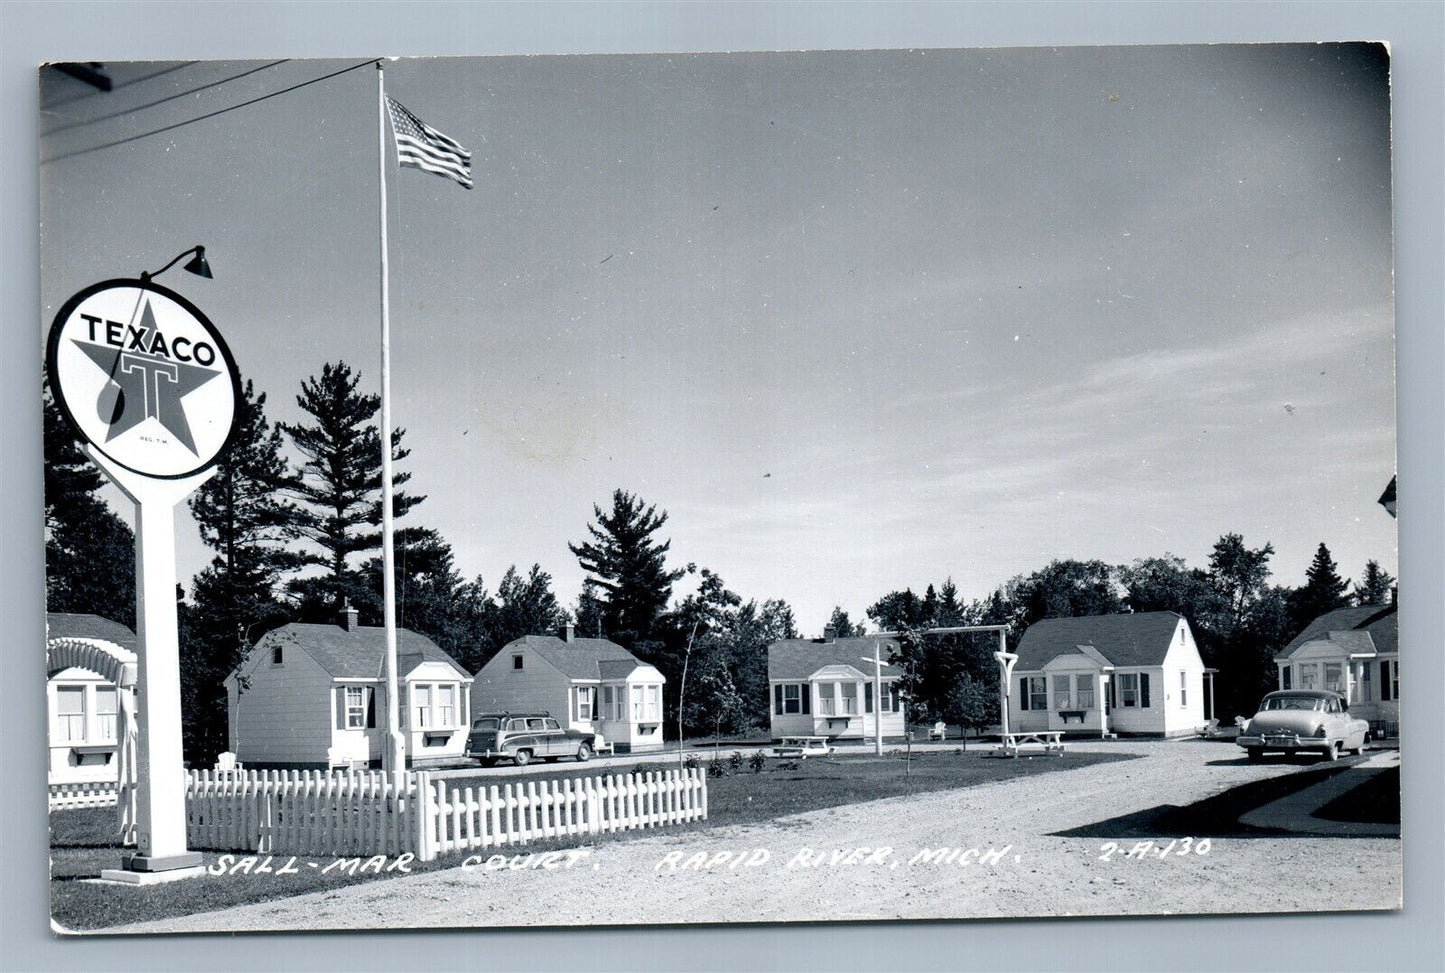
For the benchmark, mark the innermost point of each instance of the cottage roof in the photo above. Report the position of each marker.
(1382, 624)
(1139, 639)
(800, 658)
(358, 653)
(580, 658)
(68, 625)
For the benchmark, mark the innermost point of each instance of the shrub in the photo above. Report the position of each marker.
(758, 761)
(716, 768)
(735, 762)
(691, 763)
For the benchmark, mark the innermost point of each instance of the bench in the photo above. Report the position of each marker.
(801, 748)
(1046, 741)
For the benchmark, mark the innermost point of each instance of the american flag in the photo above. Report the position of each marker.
(423, 147)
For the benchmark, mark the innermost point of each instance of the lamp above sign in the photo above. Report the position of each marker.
(144, 377)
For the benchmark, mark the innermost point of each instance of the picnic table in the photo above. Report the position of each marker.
(802, 747)
(1047, 741)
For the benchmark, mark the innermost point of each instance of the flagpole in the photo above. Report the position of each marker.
(394, 749)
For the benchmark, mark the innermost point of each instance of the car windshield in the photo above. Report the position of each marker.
(486, 724)
(1274, 703)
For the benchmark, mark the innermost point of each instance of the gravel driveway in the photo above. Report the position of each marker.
(1029, 873)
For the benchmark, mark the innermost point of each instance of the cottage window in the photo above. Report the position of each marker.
(1033, 692)
(1129, 689)
(1365, 694)
(586, 702)
(1083, 692)
(69, 714)
(1309, 675)
(792, 698)
(827, 698)
(1061, 692)
(105, 711)
(654, 703)
(276, 655)
(890, 699)
(1183, 688)
(516, 662)
(1334, 677)
(446, 706)
(849, 698)
(636, 704)
(355, 708)
(1395, 679)
(612, 703)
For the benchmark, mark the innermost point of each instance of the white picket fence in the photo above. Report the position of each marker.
(358, 813)
(459, 819)
(79, 794)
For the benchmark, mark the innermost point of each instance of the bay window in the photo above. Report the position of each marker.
(1061, 692)
(1084, 692)
(848, 698)
(105, 712)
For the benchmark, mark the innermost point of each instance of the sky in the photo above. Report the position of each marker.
(858, 321)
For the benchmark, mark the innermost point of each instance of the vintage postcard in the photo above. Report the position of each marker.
(853, 485)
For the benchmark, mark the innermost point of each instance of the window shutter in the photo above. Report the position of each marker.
(805, 697)
(1114, 692)
(340, 693)
(1144, 690)
(1023, 692)
(778, 699)
(370, 708)
(1385, 680)
(867, 697)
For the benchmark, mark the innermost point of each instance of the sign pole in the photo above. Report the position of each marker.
(160, 824)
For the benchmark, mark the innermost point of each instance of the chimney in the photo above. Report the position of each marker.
(568, 632)
(829, 632)
(348, 616)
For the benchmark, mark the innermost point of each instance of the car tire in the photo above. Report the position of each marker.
(584, 753)
(522, 757)
(1332, 752)
(1256, 754)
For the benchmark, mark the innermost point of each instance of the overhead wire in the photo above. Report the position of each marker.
(89, 93)
(201, 118)
(160, 101)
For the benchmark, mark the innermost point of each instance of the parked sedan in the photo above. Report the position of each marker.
(1303, 720)
(524, 737)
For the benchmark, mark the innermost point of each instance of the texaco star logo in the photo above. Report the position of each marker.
(143, 377)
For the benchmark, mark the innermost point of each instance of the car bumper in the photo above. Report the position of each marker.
(1282, 741)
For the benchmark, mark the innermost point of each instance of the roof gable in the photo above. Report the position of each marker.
(1381, 623)
(800, 658)
(358, 653)
(1123, 641)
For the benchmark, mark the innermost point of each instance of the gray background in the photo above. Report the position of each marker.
(33, 33)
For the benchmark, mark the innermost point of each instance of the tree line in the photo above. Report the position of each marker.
(292, 518)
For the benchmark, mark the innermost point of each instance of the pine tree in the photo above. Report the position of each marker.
(1376, 585)
(1324, 590)
(340, 486)
(89, 551)
(626, 568)
(841, 626)
(243, 516)
(1239, 574)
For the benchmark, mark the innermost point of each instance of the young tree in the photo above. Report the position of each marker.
(973, 704)
(340, 486)
(1324, 590)
(841, 626)
(1239, 573)
(245, 519)
(1375, 586)
(627, 569)
(89, 551)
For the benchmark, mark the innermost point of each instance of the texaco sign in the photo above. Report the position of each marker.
(144, 378)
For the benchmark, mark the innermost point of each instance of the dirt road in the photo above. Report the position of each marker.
(1002, 859)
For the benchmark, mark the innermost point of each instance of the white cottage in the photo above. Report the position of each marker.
(315, 696)
(592, 685)
(1130, 674)
(1354, 652)
(824, 687)
(91, 669)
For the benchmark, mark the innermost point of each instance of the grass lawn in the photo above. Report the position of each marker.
(81, 844)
